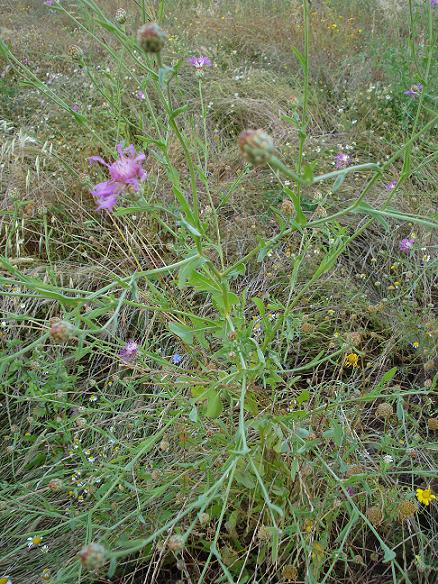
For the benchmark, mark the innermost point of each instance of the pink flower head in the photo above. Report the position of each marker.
(129, 351)
(126, 171)
(433, 3)
(199, 62)
(390, 186)
(406, 244)
(414, 91)
(342, 160)
(140, 95)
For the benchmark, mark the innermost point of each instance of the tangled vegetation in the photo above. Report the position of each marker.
(218, 342)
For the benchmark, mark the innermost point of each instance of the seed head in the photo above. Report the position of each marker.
(432, 424)
(287, 207)
(151, 37)
(120, 15)
(75, 52)
(407, 509)
(384, 410)
(375, 515)
(256, 146)
(93, 556)
(289, 572)
(175, 543)
(204, 519)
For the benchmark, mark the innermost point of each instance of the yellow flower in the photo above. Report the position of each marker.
(425, 496)
(415, 344)
(5, 580)
(352, 360)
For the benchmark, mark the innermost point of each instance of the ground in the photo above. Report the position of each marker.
(228, 372)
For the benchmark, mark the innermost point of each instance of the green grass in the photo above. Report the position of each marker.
(261, 456)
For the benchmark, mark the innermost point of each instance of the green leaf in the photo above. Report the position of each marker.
(189, 227)
(203, 283)
(193, 416)
(214, 404)
(182, 331)
(308, 173)
(304, 396)
(389, 554)
(178, 111)
(338, 183)
(299, 56)
(187, 270)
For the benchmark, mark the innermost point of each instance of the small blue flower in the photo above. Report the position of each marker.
(176, 359)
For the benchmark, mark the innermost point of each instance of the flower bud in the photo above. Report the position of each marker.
(60, 331)
(93, 556)
(120, 15)
(256, 146)
(151, 37)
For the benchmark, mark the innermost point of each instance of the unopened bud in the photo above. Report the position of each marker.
(151, 37)
(256, 146)
(175, 543)
(93, 556)
(55, 485)
(60, 331)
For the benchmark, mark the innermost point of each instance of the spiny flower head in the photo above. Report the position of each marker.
(414, 90)
(256, 146)
(407, 509)
(129, 352)
(342, 160)
(384, 410)
(93, 556)
(406, 244)
(126, 171)
(60, 331)
(425, 496)
(375, 515)
(151, 37)
(352, 360)
(75, 52)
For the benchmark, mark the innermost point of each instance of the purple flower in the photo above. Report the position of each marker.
(391, 185)
(342, 160)
(199, 62)
(124, 172)
(176, 359)
(75, 107)
(406, 244)
(51, 2)
(140, 95)
(433, 3)
(414, 91)
(350, 491)
(129, 351)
